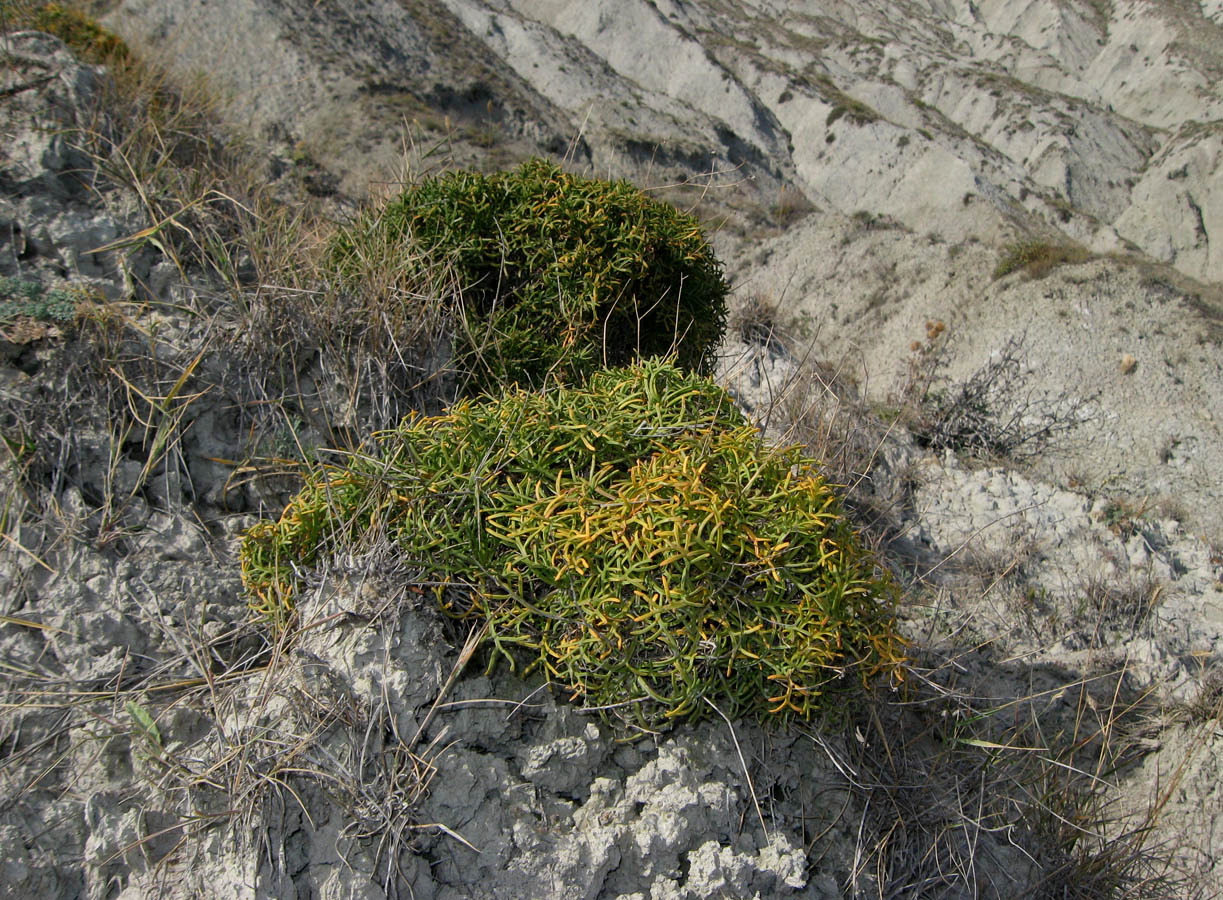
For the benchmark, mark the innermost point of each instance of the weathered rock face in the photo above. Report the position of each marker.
(1151, 430)
(1176, 206)
(45, 213)
(341, 81)
(960, 119)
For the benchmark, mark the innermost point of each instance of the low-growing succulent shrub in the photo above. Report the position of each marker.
(559, 275)
(633, 538)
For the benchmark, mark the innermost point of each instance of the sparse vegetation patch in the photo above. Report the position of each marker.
(1038, 258)
(993, 414)
(85, 37)
(843, 105)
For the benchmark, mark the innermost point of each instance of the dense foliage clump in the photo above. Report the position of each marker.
(558, 275)
(633, 538)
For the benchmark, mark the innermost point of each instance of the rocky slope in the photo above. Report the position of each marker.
(961, 127)
(865, 164)
(1092, 120)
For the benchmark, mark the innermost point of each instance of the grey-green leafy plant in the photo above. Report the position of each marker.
(144, 725)
(31, 298)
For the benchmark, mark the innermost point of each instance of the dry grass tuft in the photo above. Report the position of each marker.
(986, 796)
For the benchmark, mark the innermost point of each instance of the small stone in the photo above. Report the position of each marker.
(1128, 364)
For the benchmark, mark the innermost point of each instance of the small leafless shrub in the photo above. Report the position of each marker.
(994, 413)
(757, 320)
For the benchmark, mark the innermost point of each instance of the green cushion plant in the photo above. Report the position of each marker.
(559, 275)
(632, 538)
